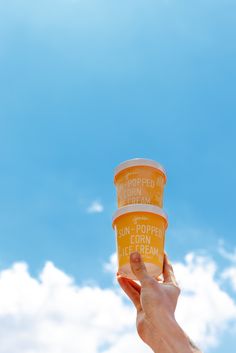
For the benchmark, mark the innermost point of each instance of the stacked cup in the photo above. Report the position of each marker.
(140, 222)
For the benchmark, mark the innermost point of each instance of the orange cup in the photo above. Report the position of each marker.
(140, 228)
(140, 181)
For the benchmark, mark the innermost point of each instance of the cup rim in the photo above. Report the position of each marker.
(139, 208)
(139, 162)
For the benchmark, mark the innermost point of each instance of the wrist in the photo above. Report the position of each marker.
(174, 337)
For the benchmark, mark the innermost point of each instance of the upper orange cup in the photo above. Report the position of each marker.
(140, 181)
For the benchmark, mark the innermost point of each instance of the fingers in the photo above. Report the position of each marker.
(132, 289)
(135, 285)
(138, 267)
(168, 272)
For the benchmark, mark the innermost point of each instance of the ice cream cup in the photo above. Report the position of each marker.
(140, 181)
(140, 228)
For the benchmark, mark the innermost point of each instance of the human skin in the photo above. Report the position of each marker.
(155, 301)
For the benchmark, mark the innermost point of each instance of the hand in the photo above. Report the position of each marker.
(155, 301)
(151, 299)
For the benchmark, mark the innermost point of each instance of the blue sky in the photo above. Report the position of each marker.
(85, 85)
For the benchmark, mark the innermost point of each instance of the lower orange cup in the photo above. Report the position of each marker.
(140, 228)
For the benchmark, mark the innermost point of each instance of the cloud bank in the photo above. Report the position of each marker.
(52, 313)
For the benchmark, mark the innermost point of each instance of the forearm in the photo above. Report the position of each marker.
(175, 339)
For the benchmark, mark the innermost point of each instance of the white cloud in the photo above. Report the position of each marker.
(111, 265)
(128, 342)
(205, 310)
(230, 274)
(52, 314)
(95, 207)
(231, 256)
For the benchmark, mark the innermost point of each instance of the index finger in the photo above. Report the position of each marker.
(168, 272)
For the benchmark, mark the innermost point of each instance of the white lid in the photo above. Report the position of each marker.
(139, 208)
(139, 162)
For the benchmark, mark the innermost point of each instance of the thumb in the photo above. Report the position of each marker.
(138, 267)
